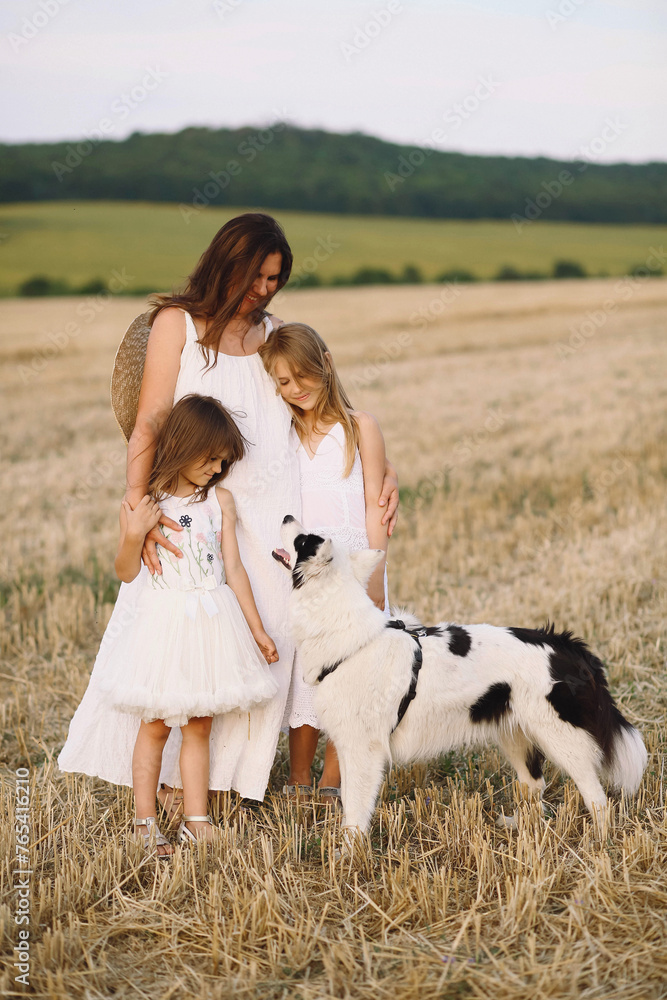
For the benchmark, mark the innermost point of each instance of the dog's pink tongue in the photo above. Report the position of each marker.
(281, 555)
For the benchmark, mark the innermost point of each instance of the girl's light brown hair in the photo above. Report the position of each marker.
(226, 272)
(197, 428)
(308, 357)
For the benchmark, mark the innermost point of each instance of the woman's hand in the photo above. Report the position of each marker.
(155, 538)
(376, 592)
(389, 497)
(267, 646)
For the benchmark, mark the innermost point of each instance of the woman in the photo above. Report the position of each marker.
(205, 340)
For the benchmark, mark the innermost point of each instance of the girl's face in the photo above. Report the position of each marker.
(264, 285)
(201, 472)
(297, 390)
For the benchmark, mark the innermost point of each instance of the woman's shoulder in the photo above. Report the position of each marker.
(170, 325)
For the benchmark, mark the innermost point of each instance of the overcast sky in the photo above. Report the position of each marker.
(561, 78)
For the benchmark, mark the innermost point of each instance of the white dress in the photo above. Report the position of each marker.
(265, 487)
(334, 506)
(189, 651)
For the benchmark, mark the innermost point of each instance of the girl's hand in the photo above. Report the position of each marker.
(267, 646)
(389, 498)
(143, 518)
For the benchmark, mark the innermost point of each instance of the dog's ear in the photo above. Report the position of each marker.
(364, 562)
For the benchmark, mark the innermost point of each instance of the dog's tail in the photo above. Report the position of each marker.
(627, 759)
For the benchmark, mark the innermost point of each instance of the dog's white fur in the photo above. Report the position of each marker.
(332, 619)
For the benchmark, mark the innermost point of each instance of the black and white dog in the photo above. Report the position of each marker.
(392, 690)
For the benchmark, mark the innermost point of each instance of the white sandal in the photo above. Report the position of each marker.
(186, 836)
(150, 822)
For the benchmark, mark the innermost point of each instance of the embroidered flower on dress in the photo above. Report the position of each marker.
(201, 537)
(185, 520)
(210, 557)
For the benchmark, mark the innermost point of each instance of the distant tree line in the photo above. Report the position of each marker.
(311, 170)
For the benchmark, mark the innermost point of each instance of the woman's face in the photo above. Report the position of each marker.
(297, 390)
(264, 285)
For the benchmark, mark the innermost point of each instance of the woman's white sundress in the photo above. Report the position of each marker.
(189, 652)
(334, 506)
(265, 487)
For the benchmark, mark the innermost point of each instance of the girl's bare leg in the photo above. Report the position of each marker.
(331, 770)
(302, 747)
(146, 764)
(194, 761)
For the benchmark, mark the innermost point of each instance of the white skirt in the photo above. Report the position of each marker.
(186, 654)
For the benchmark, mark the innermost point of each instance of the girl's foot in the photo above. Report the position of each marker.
(145, 828)
(196, 828)
(329, 795)
(171, 802)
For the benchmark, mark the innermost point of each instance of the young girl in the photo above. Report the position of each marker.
(191, 650)
(341, 458)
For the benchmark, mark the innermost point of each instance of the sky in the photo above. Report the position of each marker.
(559, 78)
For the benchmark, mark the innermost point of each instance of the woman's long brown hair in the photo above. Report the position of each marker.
(226, 272)
(307, 356)
(197, 428)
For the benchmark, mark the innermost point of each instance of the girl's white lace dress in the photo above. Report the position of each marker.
(265, 487)
(189, 651)
(334, 506)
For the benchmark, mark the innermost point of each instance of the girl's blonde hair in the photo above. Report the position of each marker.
(307, 357)
(198, 427)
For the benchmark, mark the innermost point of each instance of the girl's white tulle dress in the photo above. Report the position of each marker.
(265, 487)
(332, 505)
(189, 650)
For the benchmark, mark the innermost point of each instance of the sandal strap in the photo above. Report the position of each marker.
(150, 822)
(330, 790)
(293, 790)
(197, 819)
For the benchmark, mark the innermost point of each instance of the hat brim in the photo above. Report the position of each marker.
(128, 372)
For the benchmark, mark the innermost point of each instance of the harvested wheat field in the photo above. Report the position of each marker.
(527, 423)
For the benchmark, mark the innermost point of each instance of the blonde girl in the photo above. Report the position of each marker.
(341, 457)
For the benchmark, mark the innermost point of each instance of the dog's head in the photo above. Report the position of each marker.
(308, 556)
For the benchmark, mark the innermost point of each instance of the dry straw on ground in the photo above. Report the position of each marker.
(534, 487)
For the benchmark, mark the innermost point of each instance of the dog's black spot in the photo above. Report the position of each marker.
(459, 640)
(492, 705)
(534, 761)
(580, 694)
(306, 546)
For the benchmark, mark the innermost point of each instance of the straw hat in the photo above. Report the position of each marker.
(128, 371)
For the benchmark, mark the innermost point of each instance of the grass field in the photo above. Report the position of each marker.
(156, 248)
(530, 447)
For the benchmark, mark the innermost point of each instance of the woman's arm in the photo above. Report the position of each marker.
(134, 524)
(237, 578)
(373, 462)
(163, 360)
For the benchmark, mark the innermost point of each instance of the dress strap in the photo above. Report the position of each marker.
(190, 329)
(268, 327)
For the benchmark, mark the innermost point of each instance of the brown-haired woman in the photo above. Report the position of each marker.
(205, 340)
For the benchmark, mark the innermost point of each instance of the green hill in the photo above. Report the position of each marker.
(153, 247)
(316, 171)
